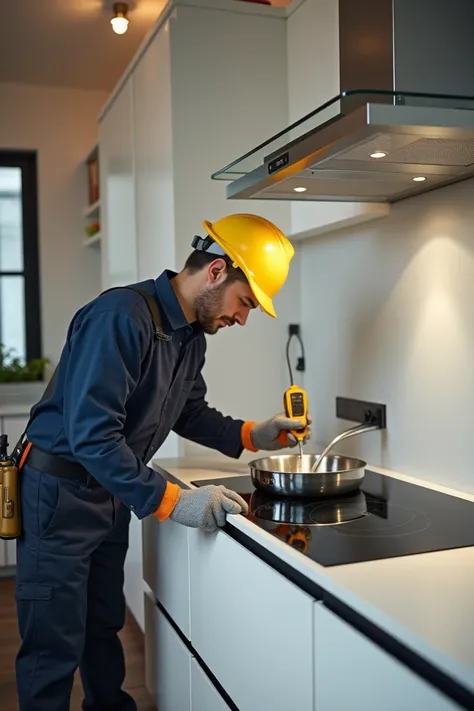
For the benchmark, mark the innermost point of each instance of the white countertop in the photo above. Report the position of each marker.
(15, 409)
(425, 601)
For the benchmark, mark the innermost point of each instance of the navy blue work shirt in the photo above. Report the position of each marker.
(120, 391)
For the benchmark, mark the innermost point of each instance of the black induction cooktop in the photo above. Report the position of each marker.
(386, 518)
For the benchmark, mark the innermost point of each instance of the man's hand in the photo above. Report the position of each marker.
(274, 433)
(207, 507)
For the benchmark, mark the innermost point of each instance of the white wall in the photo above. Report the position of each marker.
(388, 313)
(61, 124)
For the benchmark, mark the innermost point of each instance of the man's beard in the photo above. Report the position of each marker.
(209, 306)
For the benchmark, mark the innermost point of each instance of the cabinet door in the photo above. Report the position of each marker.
(204, 695)
(153, 141)
(351, 672)
(250, 625)
(133, 570)
(168, 662)
(166, 567)
(10, 553)
(117, 188)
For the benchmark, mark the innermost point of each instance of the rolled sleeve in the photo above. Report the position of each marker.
(207, 426)
(104, 367)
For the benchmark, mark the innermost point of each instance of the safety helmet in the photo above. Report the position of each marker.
(255, 245)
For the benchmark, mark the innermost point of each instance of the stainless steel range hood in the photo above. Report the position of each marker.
(381, 144)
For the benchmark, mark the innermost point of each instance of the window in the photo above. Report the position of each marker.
(20, 309)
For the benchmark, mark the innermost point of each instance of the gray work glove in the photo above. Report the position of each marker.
(207, 507)
(273, 434)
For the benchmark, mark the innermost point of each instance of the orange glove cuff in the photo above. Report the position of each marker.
(168, 502)
(283, 438)
(246, 438)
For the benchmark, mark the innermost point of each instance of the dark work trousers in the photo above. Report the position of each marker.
(69, 593)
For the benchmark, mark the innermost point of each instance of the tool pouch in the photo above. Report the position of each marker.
(10, 522)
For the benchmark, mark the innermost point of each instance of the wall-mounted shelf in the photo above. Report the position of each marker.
(91, 213)
(92, 210)
(93, 241)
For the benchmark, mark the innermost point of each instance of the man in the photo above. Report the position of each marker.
(118, 393)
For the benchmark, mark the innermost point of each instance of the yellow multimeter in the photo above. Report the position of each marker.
(295, 401)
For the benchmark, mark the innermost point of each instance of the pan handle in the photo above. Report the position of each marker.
(358, 429)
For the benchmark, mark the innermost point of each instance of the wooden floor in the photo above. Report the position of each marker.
(132, 639)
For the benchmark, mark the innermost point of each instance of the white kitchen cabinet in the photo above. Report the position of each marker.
(204, 695)
(168, 662)
(151, 642)
(352, 672)
(166, 567)
(154, 158)
(117, 188)
(250, 625)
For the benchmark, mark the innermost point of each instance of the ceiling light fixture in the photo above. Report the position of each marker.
(419, 179)
(120, 22)
(300, 190)
(378, 154)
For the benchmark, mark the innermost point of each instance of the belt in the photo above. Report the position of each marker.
(52, 464)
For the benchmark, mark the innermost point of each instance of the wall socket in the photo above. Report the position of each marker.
(362, 411)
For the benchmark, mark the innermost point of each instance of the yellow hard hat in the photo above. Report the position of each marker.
(259, 248)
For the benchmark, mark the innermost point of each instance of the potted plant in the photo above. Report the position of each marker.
(21, 382)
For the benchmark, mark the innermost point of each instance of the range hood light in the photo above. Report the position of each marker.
(419, 179)
(378, 154)
(300, 190)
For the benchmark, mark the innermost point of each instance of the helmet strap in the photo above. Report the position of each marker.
(207, 244)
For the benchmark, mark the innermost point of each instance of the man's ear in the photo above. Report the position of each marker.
(217, 271)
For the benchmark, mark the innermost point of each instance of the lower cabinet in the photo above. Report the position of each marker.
(352, 672)
(204, 695)
(166, 567)
(168, 662)
(174, 678)
(251, 626)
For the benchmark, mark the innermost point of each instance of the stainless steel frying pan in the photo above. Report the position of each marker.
(290, 475)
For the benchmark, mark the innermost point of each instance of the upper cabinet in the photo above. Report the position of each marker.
(117, 187)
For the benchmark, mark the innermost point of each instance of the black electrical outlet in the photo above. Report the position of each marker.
(294, 329)
(372, 413)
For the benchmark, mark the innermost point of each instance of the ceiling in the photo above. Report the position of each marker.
(69, 42)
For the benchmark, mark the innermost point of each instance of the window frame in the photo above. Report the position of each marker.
(27, 162)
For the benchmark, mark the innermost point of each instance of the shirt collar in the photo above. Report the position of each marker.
(171, 307)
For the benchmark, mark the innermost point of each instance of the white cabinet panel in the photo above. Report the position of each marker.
(351, 672)
(133, 584)
(250, 625)
(117, 186)
(204, 696)
(168, 663)
(3, 553)
(10, 552)
(151, 642)
(166, 567)
(154, 159)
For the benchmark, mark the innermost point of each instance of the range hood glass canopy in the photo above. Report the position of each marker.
(393, 145)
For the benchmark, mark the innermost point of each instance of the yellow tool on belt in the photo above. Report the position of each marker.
(10, 525)
(295, 401)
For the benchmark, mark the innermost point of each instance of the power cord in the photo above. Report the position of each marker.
(300, 363)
